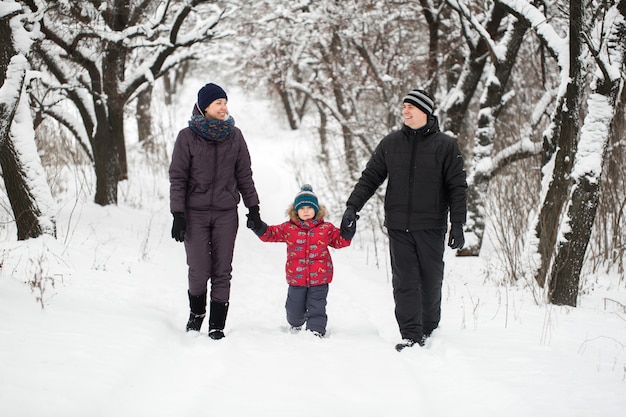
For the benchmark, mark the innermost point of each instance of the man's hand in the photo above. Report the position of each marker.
(348, 223)
(456, 240)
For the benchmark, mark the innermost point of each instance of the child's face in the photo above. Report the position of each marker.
(306, 212)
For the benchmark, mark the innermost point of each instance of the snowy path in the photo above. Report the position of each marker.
(110, 341)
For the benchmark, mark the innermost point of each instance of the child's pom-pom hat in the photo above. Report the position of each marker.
(306, 197)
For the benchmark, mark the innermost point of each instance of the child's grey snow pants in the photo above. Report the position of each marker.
(307, 305)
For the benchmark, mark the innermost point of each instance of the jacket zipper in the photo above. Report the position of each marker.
(215, 159)
(411, 181)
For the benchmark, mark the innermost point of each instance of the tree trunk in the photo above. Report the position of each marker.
(109, 149)
(106, 157)
(144, 116)
(491, 105)
(568, 261)
(107, 169)
(113, 70)
(323, 132)
(551, 213)
(292, 118)
(344, 107)
(454, 117)
(117, 121)
(24, 204)
(173, 80)
(433, 21)
(7, 52)
(30, 219)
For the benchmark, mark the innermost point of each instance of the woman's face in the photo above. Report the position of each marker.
(306, 212)
(217, 110)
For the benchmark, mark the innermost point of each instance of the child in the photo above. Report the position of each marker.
(309, 266)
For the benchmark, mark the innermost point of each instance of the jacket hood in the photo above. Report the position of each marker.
(293, 214)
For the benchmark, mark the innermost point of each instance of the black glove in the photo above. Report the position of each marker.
(456, 240)
(348, 223)
(254, 221)
(179, 226)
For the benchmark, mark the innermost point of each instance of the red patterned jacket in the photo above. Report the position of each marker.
(308, 258)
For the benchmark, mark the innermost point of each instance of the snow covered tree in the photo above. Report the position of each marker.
(274, 48)
(512, 101)
(23, 174)
(346, 65)
(572, 156)
(100, 54)
(492, 75)
(607, 43)
(560, 143)
(144, 117)
(454, 108)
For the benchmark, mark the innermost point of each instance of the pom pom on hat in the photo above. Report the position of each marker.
(306, 197)
(208, 94)
(421, 100)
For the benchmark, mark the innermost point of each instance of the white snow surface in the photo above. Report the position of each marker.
(110, 339)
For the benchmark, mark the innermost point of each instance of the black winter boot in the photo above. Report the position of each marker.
(217, 319)
(197, 305)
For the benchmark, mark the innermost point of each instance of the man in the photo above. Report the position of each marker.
(426, 182)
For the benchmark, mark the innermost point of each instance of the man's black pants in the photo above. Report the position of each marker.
(417, 268)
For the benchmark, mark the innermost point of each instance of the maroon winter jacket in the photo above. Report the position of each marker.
(210, 174)
(308, 259)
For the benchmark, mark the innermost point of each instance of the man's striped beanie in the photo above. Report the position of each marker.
(421, 100)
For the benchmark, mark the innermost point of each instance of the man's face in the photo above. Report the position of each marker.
(413, 116)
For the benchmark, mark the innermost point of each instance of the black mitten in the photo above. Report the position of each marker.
(179, 227)
(348, 223)
(456, 240)
(254, 221)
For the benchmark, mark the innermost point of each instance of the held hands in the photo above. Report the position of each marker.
(456, 240)
(348, 223)
(254, 221)
(179, 226)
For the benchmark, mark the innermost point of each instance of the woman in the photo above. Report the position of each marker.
(209, 172)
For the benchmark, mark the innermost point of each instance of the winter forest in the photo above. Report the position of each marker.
(92, 94)
(532, 90)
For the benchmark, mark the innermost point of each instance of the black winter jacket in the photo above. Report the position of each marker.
(426, 179)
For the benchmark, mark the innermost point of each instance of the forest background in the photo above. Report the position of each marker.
(532, 90)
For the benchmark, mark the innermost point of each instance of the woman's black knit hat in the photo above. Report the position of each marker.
(208, 94)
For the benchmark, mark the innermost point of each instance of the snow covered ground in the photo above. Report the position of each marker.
(111, 342)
